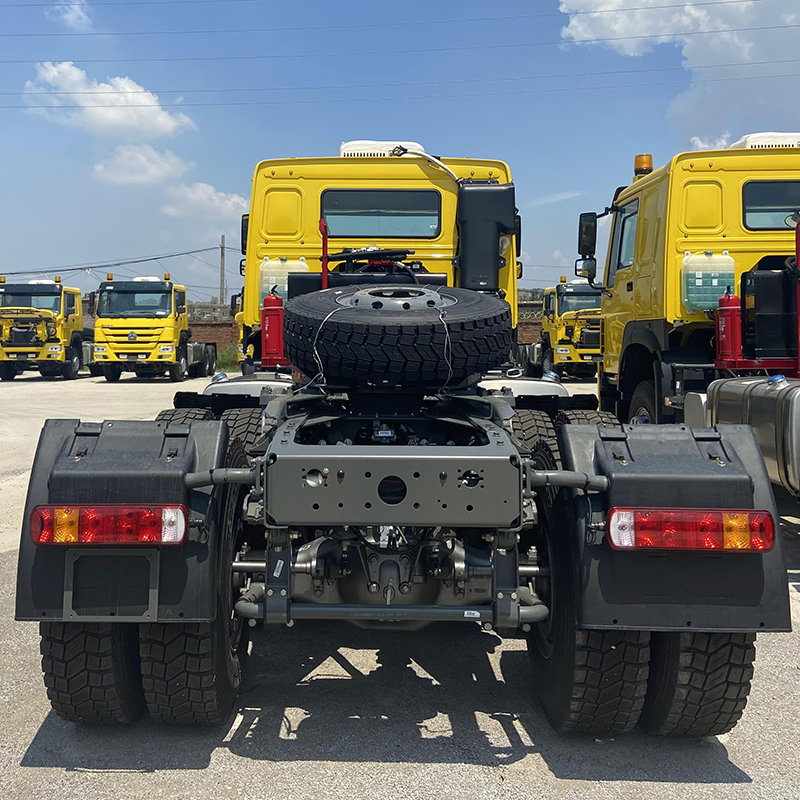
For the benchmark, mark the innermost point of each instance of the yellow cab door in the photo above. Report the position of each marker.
(618, 309)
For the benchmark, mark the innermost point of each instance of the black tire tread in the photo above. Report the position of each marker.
(605, 419)
(609, 681)
(244, 424)
(91, 671)
(394, 354)
(535, 429)
(699, 682)
(178, 673)
(182, 415)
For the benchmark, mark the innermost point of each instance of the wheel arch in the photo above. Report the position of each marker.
(641, 348)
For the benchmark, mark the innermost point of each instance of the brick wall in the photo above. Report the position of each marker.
(529, 330)
(221, 333)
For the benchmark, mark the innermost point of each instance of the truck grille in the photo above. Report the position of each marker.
(145, 337)
(23, 337)
(590, 337)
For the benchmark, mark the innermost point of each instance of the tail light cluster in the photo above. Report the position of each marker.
(109, 524)
(690, 529)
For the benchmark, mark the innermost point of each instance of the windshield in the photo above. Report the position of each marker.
(382, 213)
(771, 205)
(572, 301)
(49, 302)
(112, 303)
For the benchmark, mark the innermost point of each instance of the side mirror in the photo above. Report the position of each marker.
(234, 303)
(92, 302)
(519, 270)
(241, 266)
(586, 268)
(245, 226)
(587, 234)
(518, 220)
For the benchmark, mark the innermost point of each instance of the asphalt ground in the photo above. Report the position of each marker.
(330, 711)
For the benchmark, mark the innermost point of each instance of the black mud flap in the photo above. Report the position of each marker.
(123, 462)
(672, 466)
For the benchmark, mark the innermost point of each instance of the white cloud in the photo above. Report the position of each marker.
(140, 164)
(134, 115)
(559, 259)
(73, 13)
(720, 143)
(553, 198)
(202, 201)
(709, 107)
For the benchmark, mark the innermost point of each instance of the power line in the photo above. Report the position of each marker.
(401, 84)
(414, 51)
(103, 264)
(360, 25)
(138, 106)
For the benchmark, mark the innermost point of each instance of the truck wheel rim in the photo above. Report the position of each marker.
(76, 363)
(641, 417)
(397, 298)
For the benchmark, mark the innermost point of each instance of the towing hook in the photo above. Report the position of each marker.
(220, 477)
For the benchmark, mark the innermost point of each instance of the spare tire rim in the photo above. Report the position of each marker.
(397, 298)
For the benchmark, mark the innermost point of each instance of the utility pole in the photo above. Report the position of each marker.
(222, 269)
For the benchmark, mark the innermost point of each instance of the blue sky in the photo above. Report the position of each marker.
(463, 78)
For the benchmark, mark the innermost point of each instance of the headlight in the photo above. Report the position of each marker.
(54, 348)
(51, 328)
(166, 348)
(99, 348)
(562, 350)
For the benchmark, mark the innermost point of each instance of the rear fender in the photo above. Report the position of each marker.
(661, 467)
(123, 462)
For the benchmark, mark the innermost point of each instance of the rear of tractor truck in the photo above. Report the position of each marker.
(638, 562)
(400, 475)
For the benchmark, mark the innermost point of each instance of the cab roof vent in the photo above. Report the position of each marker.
(766, 141)
(368, 148)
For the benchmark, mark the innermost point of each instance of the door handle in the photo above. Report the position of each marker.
(629, 286)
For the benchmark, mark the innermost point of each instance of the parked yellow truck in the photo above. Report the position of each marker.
(705, 225)
(570, 329)
(41, 327)
(373, 195)
(142, 326)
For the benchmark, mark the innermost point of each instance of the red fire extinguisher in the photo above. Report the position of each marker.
(272, 332)
(729, 328)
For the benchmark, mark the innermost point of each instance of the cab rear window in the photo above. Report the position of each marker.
(771, 205)
(382, 213)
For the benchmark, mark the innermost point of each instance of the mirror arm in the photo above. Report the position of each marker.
(602, 289)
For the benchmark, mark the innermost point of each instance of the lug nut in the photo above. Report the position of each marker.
(405, 588)
(373, 587)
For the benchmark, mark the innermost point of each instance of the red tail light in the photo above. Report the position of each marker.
(109, 524)
(690, 529)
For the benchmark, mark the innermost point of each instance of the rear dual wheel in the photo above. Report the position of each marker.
(588, 681)
(191, 672)
(678, 684)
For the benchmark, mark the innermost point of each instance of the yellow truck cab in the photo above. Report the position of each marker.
(570, 329)
(142, 326)
(374, 195)
(683, 236)
(41, 327)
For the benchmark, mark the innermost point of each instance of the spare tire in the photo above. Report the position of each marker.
(410, 335)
